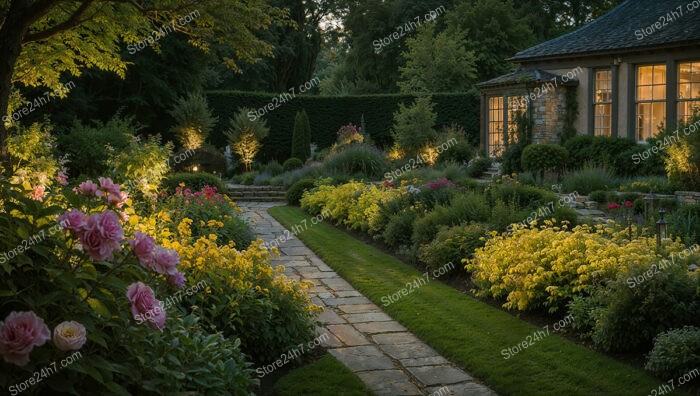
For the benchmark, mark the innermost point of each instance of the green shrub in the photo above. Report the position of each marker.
(461, 151)
(193, 120)
(589, 179)
(478, 167)
(89, 146)
(579, 149)
(504, 214)
(603, 151)
(541, 158)
(141, 166)
(399, 229)
(301, 137)
(511, 159)
(357, 160)
(292, 164)
(656, 184)
(248, 178)
(685, 223)
(464, 208)
(244, 136)
(675, 353)
(682, 157)
(599, 196)
(273, 168)
(296, 191)
(629, 162)
(193, 181)
(452, 244)
(413, 125)
(521, 195)
(629, 317)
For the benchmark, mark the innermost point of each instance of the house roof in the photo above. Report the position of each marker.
(624, 29)
(526, 76)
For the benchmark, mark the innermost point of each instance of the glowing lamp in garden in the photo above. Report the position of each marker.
(195, 168)
(650, 202)
(661, 228)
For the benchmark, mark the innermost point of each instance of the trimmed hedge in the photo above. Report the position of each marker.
(328, 113)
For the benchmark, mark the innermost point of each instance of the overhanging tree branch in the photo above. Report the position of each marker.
(73, 21)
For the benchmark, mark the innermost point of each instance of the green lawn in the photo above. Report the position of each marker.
(467, 331)
(324, 377)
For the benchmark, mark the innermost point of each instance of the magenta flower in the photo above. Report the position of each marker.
(629, 204)
(144, 247)
(107, 185)
(165, 261)
(178, 280)
(73, 220)
(613, 206)
(19, 334)
(88, 188)
(145, 306)
(102, 235)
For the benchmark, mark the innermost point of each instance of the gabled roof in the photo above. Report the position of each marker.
(529, 77)
(622, 29)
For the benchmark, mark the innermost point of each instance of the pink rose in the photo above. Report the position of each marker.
(38, 193)
(102, 235)
(19, 334)
(177, 280)
(69, 336)
(118, 199)
(62, 178)
(87, 188)
(165, 261)
(73, 221)
(144, 247)
(144, 305)
(107, 185)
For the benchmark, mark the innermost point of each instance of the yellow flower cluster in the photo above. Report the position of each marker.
(549, 265)
(354, 204)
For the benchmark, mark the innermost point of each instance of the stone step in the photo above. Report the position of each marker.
(257, 193)
(239, 187)
(259, 199)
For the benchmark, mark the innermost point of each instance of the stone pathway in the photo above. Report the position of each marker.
(383, 353)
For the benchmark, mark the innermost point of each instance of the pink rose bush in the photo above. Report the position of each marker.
(100, 234)
(145, 306)
(107, 189)
(157, 259)
(19, 334)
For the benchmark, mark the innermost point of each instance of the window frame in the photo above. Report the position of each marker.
(651, 101)
(596, 103)
(681, 101)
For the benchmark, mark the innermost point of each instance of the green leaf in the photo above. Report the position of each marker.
(98, 307)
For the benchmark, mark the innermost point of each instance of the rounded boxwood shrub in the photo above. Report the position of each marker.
(399, 229)
(460, 152)
(541, 158)
(297, 189)
(452, 244)
(194, 181)
(291, 164)
(676, 352)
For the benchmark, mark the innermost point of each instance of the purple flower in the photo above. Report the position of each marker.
(102, 235)
(145, 306)
(88, 188)
(144, 247)
(19, 334)
(165, 261)
(73, 220)
(178, 280)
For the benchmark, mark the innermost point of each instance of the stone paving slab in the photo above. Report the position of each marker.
(383, 353)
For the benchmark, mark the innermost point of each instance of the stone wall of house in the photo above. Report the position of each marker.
(549, 116)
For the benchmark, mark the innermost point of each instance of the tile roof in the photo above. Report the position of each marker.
(623, 29)
(525, 76)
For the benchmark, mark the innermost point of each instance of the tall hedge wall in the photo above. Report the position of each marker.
(328, 113)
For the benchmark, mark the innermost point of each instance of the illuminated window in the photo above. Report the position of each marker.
(688, 89)
(651, 100)
(602, 103)
(495, 125)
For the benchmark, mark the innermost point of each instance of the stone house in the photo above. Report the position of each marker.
(624, 74)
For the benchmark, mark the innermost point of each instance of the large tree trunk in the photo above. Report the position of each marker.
(21, 15)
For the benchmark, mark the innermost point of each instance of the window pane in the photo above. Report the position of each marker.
(684, 91)
(495, 124)
(643, 121)
(684, 70)
(658, 116)
(659, 74)
(695, 91)
(644, 93)
(659, 92)
(644, 75)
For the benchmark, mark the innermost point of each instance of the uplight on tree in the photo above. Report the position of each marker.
(245, 135)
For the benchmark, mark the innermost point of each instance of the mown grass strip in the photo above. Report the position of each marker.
(467, 331)
(326, 376)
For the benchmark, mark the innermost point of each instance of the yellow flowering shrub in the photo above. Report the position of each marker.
(365, 215)
(244, 296)
(336, 200)
(548, 265)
